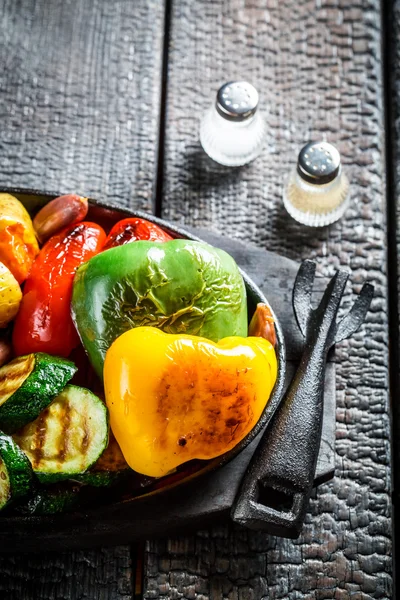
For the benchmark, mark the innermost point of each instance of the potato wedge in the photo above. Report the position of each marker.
(10, 296)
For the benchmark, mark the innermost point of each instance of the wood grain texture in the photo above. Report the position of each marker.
(317, 66)
(80, 95)
(93, 575)
(393, 71)
(80, 100)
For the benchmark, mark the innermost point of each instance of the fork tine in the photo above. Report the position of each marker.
(333, 292)
(355, 317)
(302, 291)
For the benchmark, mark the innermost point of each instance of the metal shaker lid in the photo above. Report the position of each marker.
(318, 162)
(237, 100)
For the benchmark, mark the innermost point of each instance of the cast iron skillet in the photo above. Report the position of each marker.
(99, 525)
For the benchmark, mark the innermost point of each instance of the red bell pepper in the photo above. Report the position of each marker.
(133, 230)
(43, 323)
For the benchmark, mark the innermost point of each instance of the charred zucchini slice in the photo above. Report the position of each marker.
(68, 437)
(109, 469)
(16, 474)
(27, 386)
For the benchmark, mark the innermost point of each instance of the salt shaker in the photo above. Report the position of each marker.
(317, 191)
(232, 132)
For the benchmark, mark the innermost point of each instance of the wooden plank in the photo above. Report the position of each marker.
(99, 574)
(81, 87)
(317, 66)
(392, 22)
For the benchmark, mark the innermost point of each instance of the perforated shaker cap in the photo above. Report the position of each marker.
(237, 100)
(318, 162)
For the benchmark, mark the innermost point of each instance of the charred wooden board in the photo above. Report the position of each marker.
(81, 92)
(392, 22)
(318, 69)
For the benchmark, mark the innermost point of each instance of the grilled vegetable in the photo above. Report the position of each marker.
(173, 398)
(262, 323)
(133, 230)
(109, 469)
(68, 437)
(27, 386)
(18, 244)
(59, 213)
(53, 499)
(43, 323)
(16, 474)
(179, 286)
(10, 296)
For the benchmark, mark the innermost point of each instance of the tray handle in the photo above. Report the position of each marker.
(275, 491)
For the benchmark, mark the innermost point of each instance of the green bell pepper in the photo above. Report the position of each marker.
(179, 286)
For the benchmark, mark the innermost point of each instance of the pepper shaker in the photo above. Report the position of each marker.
(317, 191)
(232, 132)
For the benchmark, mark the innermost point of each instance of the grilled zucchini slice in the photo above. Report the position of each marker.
(27, 386)
(68, 437)
(109, 469)
(16, 475)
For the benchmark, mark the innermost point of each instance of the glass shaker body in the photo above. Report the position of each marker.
(232, 143)
(307, 196)
(232, 131)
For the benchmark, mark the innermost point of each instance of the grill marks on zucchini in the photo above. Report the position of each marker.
(39, 439)
(86, 436)
(27, 386)
(13, 375)
(68, 437)
(65, 420)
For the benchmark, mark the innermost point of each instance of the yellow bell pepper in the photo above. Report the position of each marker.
(10, 296)
(173, 398)
(18, 244)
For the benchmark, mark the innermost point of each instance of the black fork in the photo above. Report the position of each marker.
(275, 491)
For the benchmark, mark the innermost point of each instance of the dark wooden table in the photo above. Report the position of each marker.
(104, 98)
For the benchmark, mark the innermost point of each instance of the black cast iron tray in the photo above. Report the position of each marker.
(141, 514)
